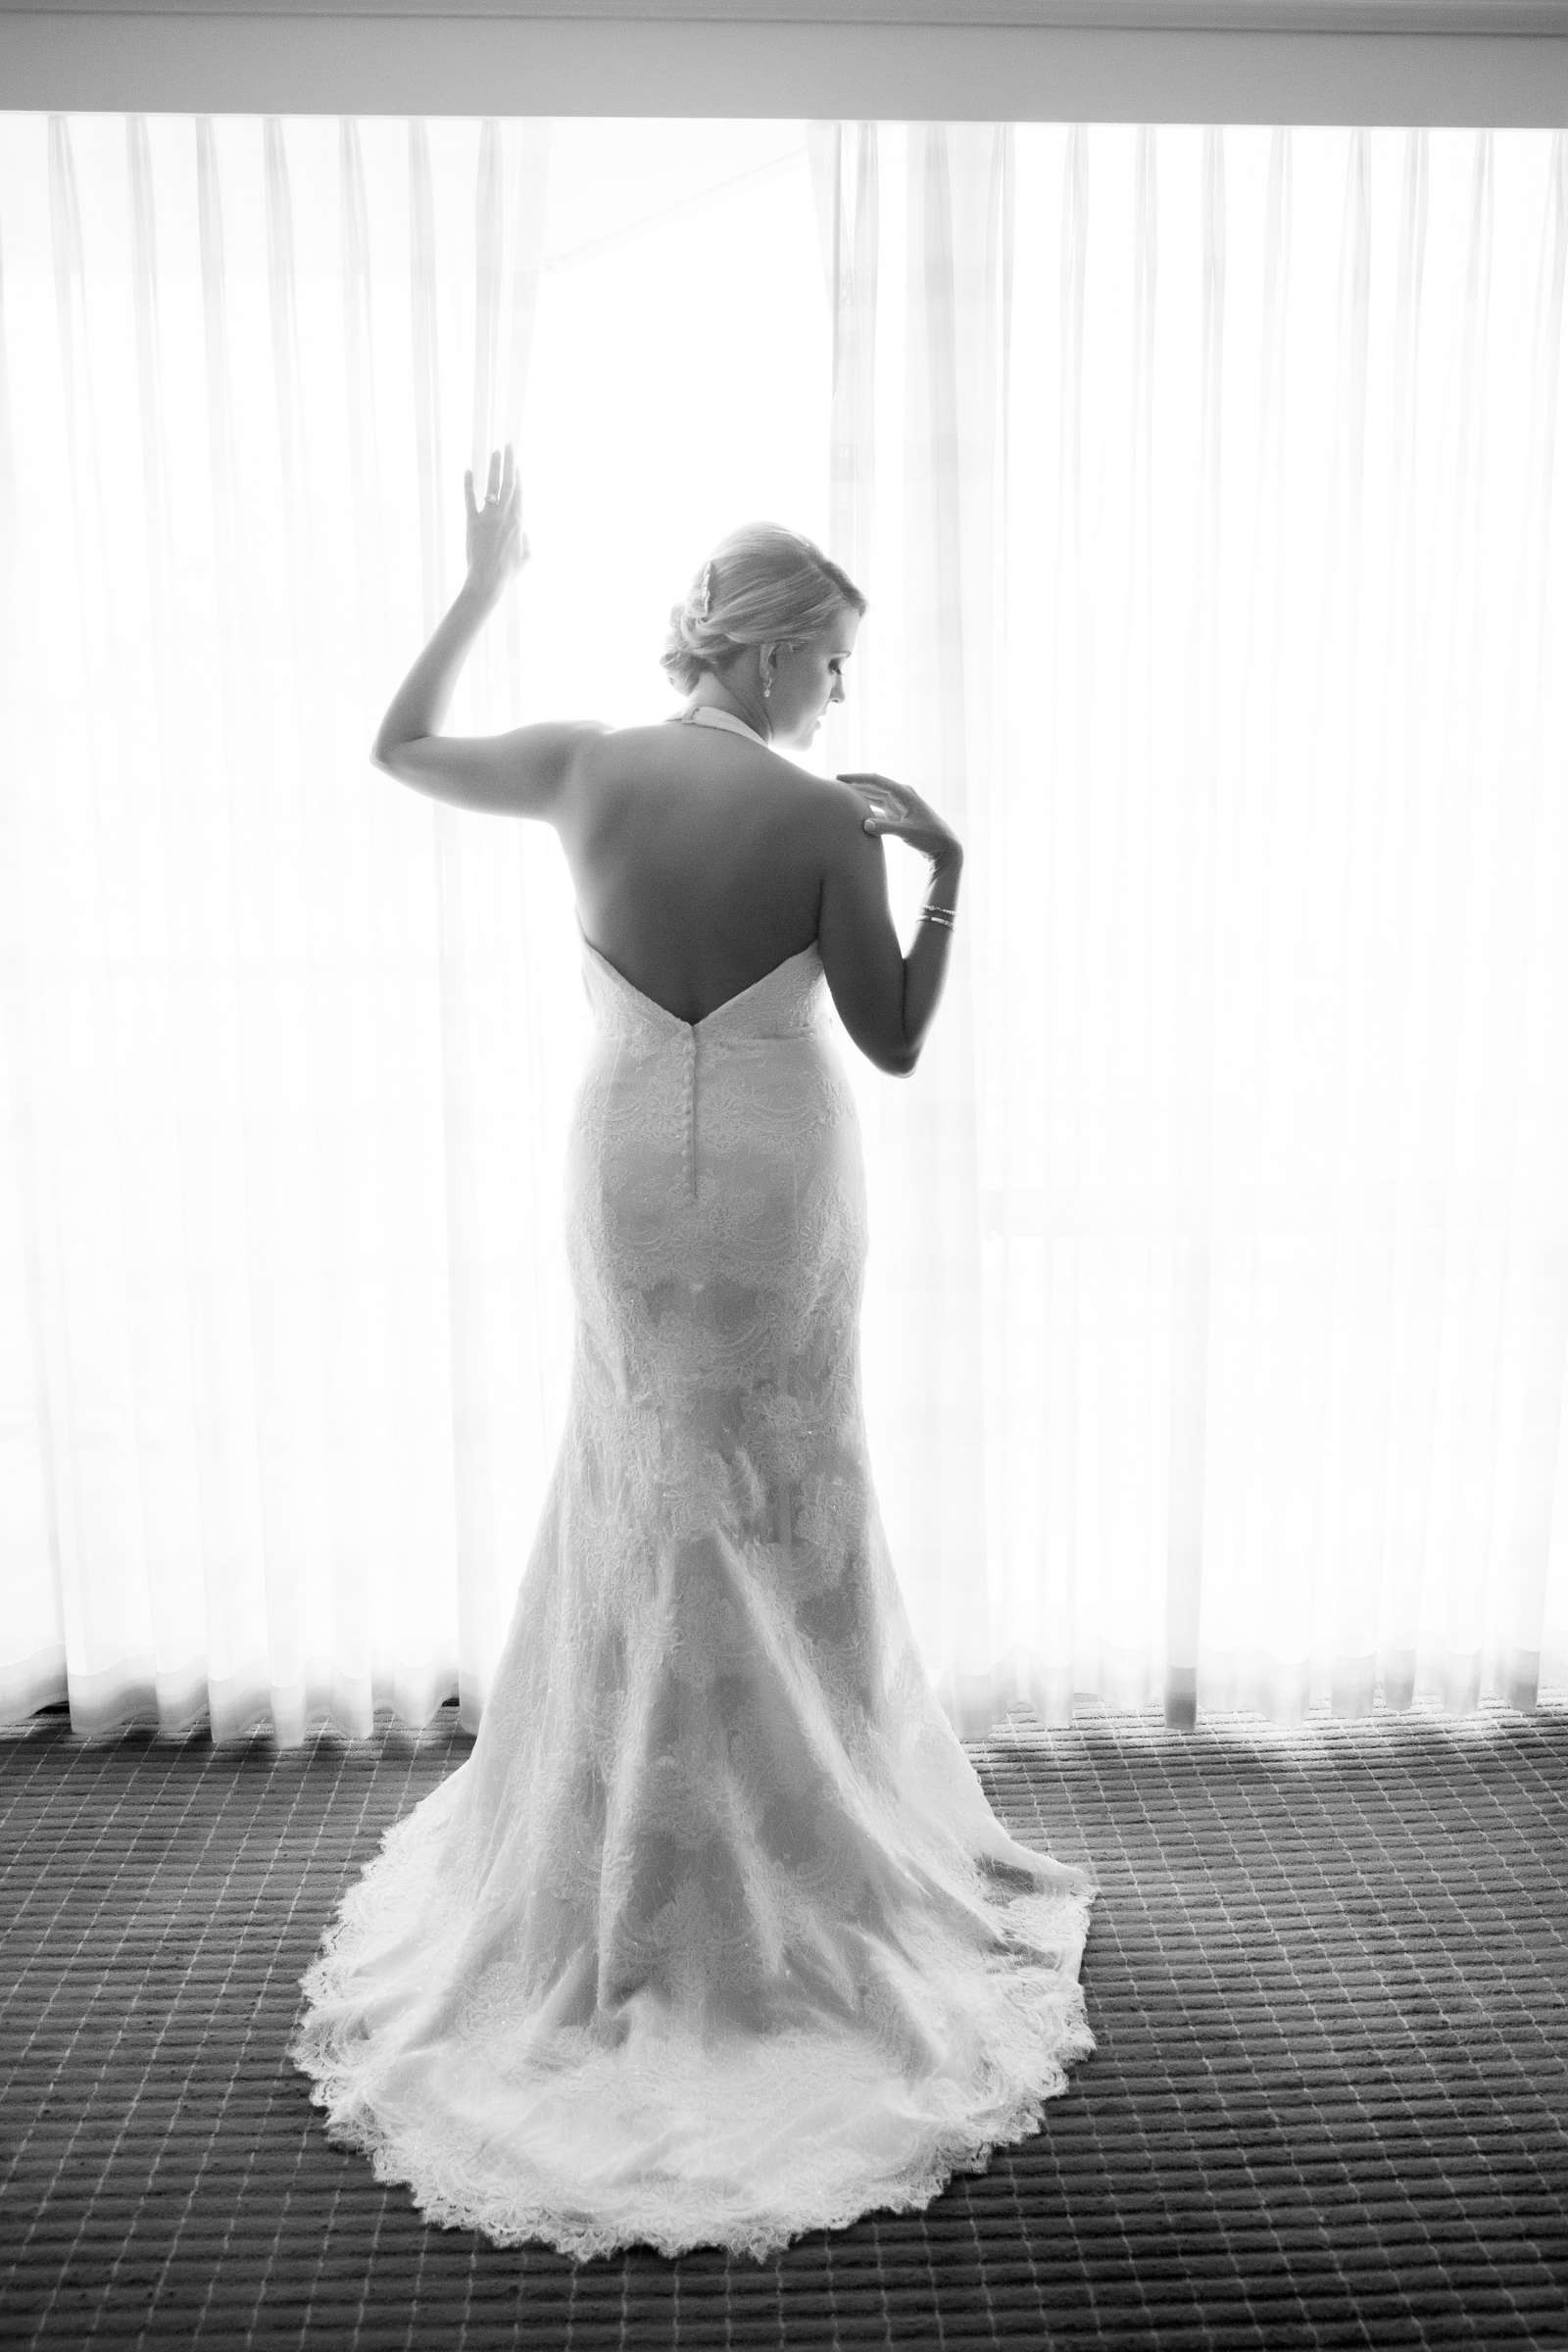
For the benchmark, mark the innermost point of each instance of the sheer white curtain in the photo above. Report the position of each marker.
(288, 1049)
(1204, 485)
(1209, 483)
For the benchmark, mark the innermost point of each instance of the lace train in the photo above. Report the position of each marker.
(677, 2140)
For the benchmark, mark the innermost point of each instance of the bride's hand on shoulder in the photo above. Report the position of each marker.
(899, 809)
(497, 545)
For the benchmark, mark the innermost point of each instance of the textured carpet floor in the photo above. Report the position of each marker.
(1327, 1971)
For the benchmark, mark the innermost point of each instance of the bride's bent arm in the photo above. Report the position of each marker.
(523, 773)
(884, 999)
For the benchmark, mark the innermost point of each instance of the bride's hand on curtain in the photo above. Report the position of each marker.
(497, 545)
(899, 809)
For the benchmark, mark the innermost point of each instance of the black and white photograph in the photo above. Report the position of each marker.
(783, 1175)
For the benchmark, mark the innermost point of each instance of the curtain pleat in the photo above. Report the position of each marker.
(380, 1578)
(844, 167)
(542, 1372)
(1204, 482)
(955, 336)
(462, 1307)
(168, 1085)
(85, 1119)
(1530, 1537)
(260, 1320)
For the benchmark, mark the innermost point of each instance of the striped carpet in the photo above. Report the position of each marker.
(1328, 1971)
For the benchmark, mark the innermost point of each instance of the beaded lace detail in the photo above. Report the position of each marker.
(713, 1938)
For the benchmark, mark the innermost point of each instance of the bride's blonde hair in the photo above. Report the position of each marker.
(762, 585)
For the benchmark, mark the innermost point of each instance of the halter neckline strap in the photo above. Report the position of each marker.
(707, 715)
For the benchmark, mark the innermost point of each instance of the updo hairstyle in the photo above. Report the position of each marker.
(762, 585)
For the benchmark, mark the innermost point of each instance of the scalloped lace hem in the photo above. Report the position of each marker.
(756, 2218)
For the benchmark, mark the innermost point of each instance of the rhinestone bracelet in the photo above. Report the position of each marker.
(938, 914)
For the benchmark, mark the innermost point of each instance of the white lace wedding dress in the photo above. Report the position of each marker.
(713, 1938)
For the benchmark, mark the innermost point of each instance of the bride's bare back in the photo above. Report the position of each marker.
(698, 858)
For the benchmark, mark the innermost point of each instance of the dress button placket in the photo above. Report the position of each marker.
(691, 1112)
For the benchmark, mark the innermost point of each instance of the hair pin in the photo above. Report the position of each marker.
(705, 592)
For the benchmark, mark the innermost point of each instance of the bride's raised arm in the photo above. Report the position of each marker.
(521, 773)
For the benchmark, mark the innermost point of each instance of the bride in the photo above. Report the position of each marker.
(713, 1938)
